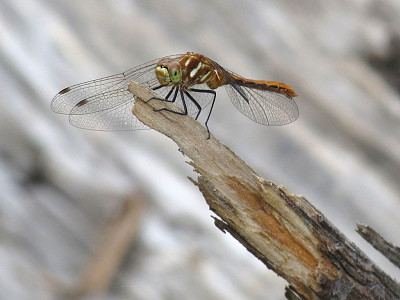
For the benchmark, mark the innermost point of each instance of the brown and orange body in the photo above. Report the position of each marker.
(198, 69)
(272, 86)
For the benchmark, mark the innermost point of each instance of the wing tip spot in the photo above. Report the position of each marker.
(82, 103)
(66, 90)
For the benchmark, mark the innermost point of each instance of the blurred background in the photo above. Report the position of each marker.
(59, 185)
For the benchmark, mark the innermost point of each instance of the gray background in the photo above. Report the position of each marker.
(59, 184)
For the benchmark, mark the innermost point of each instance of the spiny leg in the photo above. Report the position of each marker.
(185, 111)
(195, 103)
(167, 97)
(157, 87)
(212, 105)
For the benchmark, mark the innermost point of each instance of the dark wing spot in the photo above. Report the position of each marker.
(81, 103)
(66, 90)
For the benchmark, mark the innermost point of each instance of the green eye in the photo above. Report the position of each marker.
(175, 75)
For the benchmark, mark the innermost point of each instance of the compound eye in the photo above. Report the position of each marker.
(175, 74)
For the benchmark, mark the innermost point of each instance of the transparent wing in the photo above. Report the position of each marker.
(260, 105)
(105, 103)
(264, 107)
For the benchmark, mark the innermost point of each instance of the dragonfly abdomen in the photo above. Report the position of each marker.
(271, 86)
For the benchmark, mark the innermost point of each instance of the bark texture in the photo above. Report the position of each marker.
(281, 229)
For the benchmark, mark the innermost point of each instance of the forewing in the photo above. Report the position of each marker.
(114, 118)
(105, 103)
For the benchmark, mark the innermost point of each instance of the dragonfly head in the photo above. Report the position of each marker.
(168, 71)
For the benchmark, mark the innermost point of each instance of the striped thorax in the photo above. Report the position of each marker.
(189, 70)
(193, 68)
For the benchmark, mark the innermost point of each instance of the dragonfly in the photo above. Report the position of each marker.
(189, 80)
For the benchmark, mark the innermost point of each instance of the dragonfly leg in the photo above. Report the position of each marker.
(157, 87)
(212, 105)
(167, 97)
(195, 103)
(185, 111)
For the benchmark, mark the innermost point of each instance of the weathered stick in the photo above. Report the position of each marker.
(116, 239)
(281, 229)
(391, 252)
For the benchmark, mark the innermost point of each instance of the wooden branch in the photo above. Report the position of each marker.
(391, 252)
(281, 229)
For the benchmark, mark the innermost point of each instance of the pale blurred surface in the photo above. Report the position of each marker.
(59, 183)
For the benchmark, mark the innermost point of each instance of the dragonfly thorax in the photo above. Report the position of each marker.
(197, 69)
(189, 70)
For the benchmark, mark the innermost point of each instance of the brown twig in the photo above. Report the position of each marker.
(116, 239)
(281, 229)
(379, 243)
